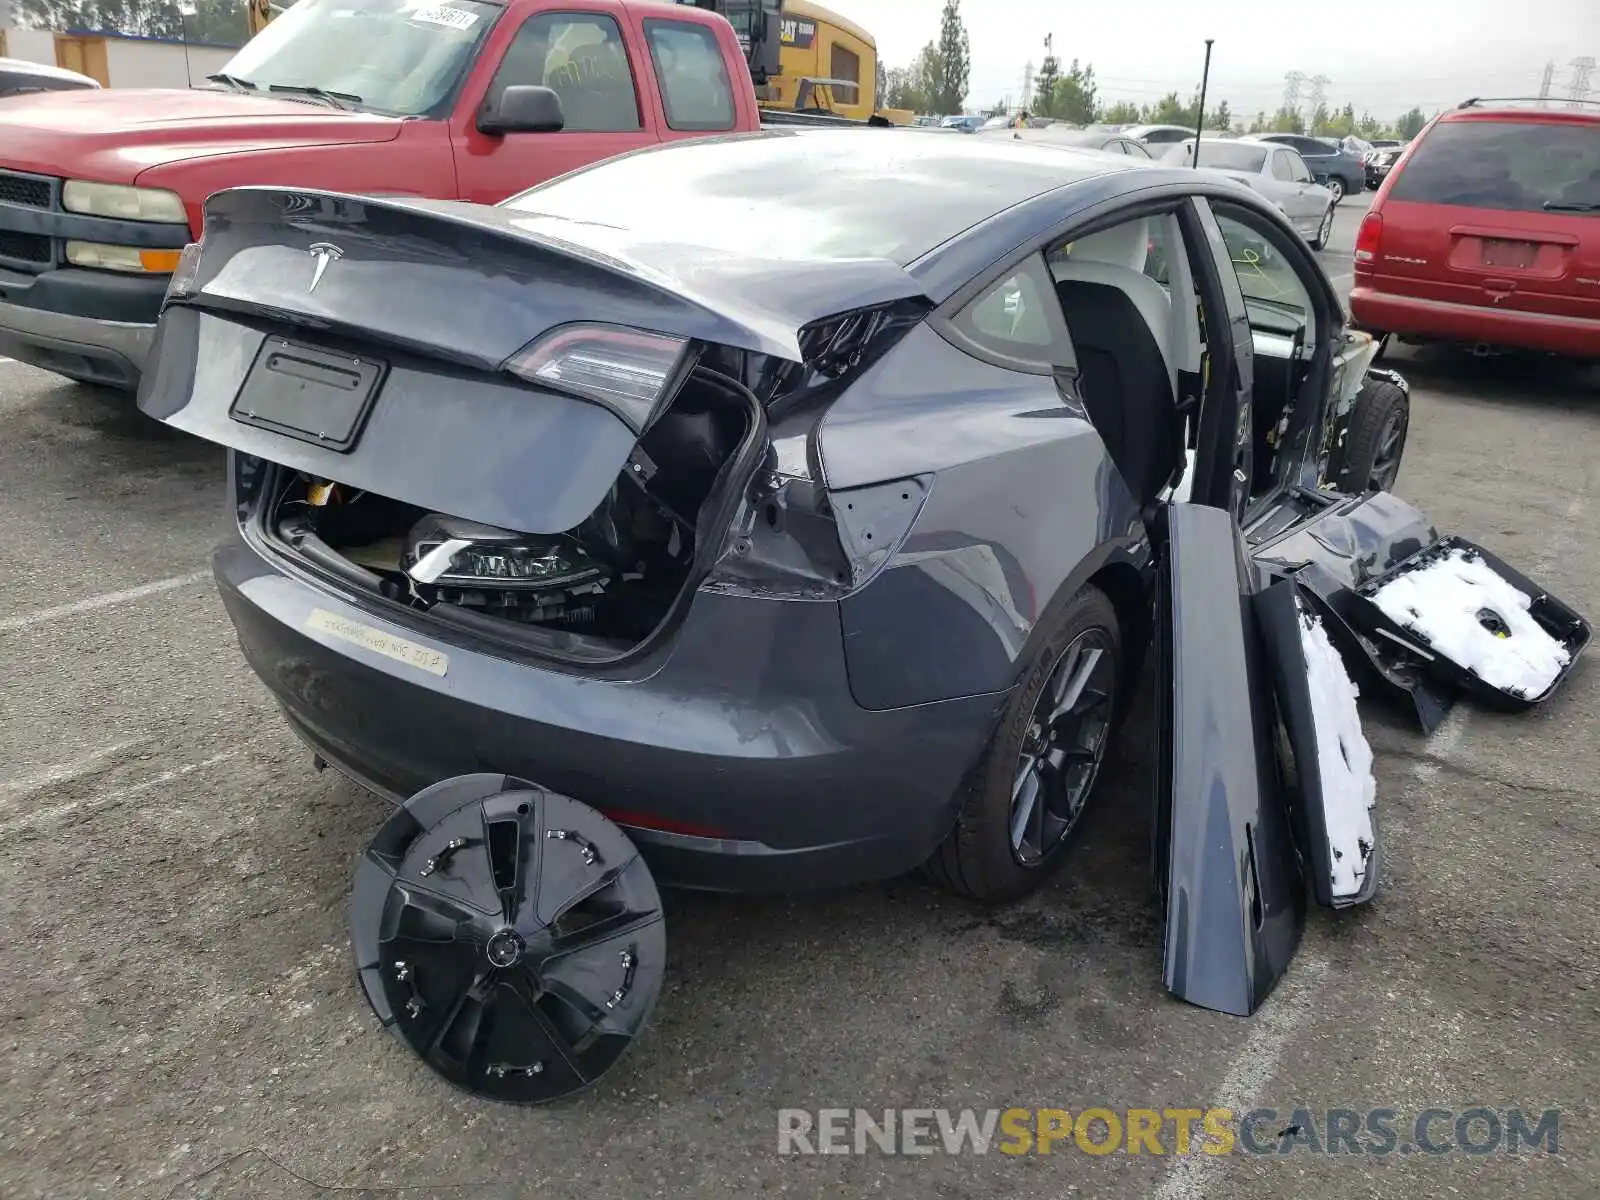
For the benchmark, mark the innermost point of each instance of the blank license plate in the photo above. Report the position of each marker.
(1501, 253)
(315, 395)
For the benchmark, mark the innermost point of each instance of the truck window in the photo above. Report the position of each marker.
(582, 58)
(694, 80)
(412, 56)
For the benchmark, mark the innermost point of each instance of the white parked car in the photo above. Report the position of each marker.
(1277, 172)
(1159, 135)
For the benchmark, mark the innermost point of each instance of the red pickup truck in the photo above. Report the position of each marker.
(448, 99)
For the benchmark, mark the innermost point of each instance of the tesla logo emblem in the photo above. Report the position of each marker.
(324, 253)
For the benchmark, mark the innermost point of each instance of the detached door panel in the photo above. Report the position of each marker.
(1225, 856)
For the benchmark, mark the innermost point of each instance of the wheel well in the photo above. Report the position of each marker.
(1129, 594)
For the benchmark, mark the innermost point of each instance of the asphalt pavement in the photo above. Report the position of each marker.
(180, 1017)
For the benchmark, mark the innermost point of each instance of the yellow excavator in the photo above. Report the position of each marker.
(803, 58)
(808, 59)
(259, 14)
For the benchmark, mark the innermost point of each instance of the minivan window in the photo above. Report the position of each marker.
(1512, 166)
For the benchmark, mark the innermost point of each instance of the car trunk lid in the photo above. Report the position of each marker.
(379, 343)
(1491, 212)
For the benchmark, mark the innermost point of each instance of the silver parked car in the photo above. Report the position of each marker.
(1277, 172)
(1084, 139)
(1159, 135)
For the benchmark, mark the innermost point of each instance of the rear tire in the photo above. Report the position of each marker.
(981, 858)
(1375, 440)
(1325, 230)
(1336, 186)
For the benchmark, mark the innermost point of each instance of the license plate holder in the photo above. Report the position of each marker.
(1507, 252)
(305, 392)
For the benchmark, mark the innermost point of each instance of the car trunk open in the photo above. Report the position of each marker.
(474, 452)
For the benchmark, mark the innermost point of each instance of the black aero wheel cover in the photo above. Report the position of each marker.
(511, 937)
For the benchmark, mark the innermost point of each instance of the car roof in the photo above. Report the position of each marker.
(1055, 136)
(837, 193)
(1524, 110)
(941, 209)
(22, 66)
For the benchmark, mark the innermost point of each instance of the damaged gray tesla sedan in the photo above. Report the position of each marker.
(796, 509)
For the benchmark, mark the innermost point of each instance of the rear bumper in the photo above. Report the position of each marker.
(739, 762)
(1384, 312)
(85, 324)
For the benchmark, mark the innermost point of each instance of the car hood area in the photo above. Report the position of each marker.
(113, 135)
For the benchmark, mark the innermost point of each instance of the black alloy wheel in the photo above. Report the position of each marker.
(1062, 748)
(1028, 791)
(1375, 441)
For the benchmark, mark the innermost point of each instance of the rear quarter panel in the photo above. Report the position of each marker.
(1025, 506)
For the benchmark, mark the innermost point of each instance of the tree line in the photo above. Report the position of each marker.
(214, 22)
(936, 83)
(937, 79)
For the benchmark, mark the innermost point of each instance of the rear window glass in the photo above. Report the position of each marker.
(1228, 156)
(1516, 166)
(862, 193)
(694, 82)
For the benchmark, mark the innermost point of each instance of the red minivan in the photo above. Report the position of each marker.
(1487, 233)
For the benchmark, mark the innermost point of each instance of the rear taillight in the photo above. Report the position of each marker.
(1368, 238)
(627, 370)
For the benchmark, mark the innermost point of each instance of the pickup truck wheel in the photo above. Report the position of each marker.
(1375, 441)
(1021, 812)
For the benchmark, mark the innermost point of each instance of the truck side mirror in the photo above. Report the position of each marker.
(522, 108)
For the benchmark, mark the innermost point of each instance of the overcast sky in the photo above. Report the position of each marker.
(1387, 57)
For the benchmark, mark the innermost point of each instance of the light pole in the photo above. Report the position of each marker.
(1200, 117)
(186, 9)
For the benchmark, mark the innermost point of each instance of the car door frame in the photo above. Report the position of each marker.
(1300, 206)
(1330, 351)
(1225, 380)
(470, 146)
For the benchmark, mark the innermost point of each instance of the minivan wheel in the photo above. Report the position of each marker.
(1033, 783)
(1375, 441)
(1336, 186)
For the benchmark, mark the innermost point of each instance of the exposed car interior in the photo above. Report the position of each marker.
(1283, 335)
(1139, 350)
(1131, 340)
(603, 587)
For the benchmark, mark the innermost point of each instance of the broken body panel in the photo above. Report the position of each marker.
(876, 511)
